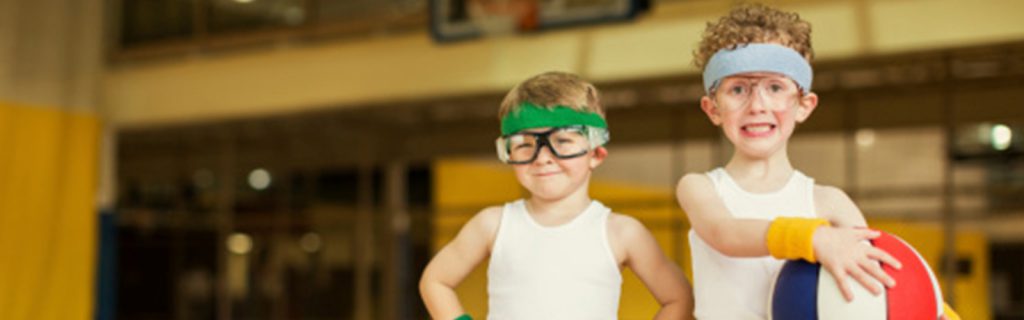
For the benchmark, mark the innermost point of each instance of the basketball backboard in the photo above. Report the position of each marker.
(452, 20)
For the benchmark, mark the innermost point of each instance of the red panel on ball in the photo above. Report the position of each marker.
(914, 296)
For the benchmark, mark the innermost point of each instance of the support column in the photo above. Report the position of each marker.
(398, 272)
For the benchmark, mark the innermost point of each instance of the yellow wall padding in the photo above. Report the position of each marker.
(48, 181)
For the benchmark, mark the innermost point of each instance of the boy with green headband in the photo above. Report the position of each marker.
(557, 254)
(756, 211)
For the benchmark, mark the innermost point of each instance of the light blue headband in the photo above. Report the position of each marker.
(758, 57)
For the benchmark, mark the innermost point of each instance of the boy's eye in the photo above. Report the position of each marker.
(737, 89)
(525, 145)
(776, 87)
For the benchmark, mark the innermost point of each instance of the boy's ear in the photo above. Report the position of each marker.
(709, 109)
(599, 154)
(808, 103)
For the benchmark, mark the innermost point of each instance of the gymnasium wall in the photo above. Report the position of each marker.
(282, 78)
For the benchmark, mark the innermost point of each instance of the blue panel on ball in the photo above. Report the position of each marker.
(796, 291)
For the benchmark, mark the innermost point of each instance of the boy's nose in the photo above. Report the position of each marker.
(544, 155)
(758, 101)
(755, 104)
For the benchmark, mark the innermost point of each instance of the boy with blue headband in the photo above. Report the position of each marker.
(557, 254)
(756, 211)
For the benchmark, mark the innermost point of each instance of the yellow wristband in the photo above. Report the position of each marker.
(950, 314)
(793, 238)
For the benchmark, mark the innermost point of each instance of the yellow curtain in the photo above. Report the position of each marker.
(48, 181)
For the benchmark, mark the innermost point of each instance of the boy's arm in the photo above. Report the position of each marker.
(711, 220)
(833, 204)
(455, 261)
(839, 250)
(660, 274)
(835, 250)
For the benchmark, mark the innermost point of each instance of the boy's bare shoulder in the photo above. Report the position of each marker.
(482, 228)
(694, 177)
(692, 182)
(835, 205)
(624, 226)
(491, 212)
(619, 220)
(830, 195)
(487, 219)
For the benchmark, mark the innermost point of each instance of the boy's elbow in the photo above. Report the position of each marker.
(676, 309)
(423, 285)
(427, 280)
(430, 289)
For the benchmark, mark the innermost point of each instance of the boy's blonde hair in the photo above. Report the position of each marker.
(551, 89)
(754, 23)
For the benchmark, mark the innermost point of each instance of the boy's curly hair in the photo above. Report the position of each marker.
(754, 23)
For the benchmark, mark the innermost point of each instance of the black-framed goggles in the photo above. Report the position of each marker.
(564, 143)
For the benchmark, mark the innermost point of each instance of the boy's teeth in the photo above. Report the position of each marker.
(759, 128)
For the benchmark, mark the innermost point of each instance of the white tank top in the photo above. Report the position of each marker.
(738, 288)
(562, 272)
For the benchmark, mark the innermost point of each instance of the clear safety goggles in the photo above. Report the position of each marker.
(563, 142)
(776, 93)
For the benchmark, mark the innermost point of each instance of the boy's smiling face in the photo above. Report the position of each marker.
(551, 178)
(758, 111)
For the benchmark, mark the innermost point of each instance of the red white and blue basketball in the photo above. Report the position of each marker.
(804, 290)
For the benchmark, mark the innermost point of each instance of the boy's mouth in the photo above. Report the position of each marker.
(545, 174)
(757, 130)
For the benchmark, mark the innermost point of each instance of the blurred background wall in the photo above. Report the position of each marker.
(303, 159)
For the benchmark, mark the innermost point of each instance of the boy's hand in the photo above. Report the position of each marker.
(842, 252)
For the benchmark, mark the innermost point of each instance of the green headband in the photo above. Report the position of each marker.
(530, 115)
